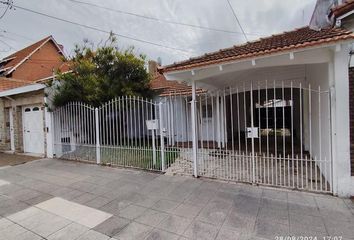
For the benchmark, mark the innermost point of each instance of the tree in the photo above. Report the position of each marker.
(99, 75)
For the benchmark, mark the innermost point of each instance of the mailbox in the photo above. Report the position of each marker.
(252, 132)
(152, 124)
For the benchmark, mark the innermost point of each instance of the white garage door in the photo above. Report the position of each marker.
(33, 131)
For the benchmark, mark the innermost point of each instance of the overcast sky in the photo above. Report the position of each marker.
(258, 18)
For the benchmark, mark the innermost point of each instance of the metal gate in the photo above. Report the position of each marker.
(272, 133)
(123, 132)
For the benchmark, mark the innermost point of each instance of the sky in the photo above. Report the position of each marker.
(258, 18)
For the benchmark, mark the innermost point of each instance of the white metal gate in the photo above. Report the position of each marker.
(271, 133)
(123, 132)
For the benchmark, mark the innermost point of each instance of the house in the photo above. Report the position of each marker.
(276, 111)
(23, 119)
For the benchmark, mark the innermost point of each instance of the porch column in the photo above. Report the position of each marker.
(194, 129)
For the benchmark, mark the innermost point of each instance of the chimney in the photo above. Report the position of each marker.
(153, 68)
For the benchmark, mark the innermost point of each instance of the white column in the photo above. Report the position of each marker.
(98, 147)
(162, 138)
(194, 129)
(49, 130)
(342, 180)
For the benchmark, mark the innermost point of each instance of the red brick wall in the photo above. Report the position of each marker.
(40, 64)
(351, 107)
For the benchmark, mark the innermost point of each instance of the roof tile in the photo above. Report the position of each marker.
(299, 38)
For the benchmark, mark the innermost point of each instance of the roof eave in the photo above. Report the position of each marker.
(270, 53)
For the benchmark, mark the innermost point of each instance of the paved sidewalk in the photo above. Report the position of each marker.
(53, 199)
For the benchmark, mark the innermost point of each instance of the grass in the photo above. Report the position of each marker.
(137, 157)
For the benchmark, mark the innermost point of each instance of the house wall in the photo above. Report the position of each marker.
(16, 103)
(40, 65)
(4, 141)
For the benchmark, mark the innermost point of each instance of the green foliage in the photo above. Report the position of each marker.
(99, 75)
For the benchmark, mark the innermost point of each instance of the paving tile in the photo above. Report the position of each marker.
(24, 214)
(306, 220)
(174, 224)
(44, 223)
(214, 212)
(308, 230)
(25, 194)
(93, 235)
(98, 202)
(340, 228)
(151, 217)
(132, 212)
(240, 221)
(147, 201)
(38, 199)
(70, 232)
(11, 232)
(227, 233)
(84, 198)
(4, 223)
(201, 231)
(78, 213)
(134, 231)
(279, 216)
(28, 235)
(158, 234)
(67, 193)
(271, 230)
(274, 204)
(187, 210)
(275, 194)
(165, 205)
(300, 198)
(115, 206)
(10, 206)
(300, 209)
(112, 226)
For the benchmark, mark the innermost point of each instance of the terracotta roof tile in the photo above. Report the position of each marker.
(166, 88)
(287, 41)
(342, 9)
(10, 83)
(17, 57)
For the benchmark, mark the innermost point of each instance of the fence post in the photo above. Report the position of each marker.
(194, 129)
(162, 138)
(98, 148)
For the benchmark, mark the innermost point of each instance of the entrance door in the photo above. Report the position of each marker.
(33, 133)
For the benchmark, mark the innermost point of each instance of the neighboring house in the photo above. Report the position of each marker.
(279, 105)
(23, 122)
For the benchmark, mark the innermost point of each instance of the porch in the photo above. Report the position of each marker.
(265, 121)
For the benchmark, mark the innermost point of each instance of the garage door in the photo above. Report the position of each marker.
(33, 131)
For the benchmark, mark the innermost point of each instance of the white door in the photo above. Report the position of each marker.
(207, 123)
(33, 130)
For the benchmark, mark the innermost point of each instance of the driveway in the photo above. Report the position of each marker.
(54, 199)
(14, 159)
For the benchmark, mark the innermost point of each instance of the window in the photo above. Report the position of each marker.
(35, 109)
(27, 110)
